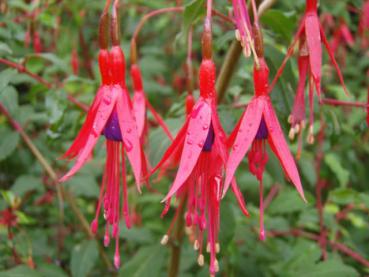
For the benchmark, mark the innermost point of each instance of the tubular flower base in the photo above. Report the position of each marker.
(111, 115)
(202, 143)
(310, 35)
(257, 125)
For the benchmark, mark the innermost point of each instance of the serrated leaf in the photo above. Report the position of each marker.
(83, 259)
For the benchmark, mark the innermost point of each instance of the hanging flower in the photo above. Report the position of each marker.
(342, 36)
(111, 115)
(243, 25)
(199, 176)
(309, 35)
(258, 125)
(141, 104)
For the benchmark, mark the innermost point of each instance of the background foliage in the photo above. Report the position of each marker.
(47, 247)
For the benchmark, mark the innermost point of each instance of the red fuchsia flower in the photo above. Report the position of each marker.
(199, 176)
(258, 125)
(364, 25)
(243, 25)
(111, 115)
(141, 104)
(309, 35)
(342, 36)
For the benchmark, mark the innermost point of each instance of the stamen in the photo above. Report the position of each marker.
(164, 240)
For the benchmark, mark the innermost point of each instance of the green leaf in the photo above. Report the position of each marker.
(9, 98)
(83, 185)
(330, 268)
(146, 263)
(26, 183)
(288, 201)
(48, 270)
(193, 11)
(334, 163)
(8, 143)
(84, 257)
(20, 271)
(5, 49)
(279, 23)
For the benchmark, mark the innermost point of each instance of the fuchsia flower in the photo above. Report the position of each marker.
(309, 35)
(141, 104)
(257, 125)
(111, 115)
(243, 25)
(364, 25)
(342, 36)
(199, 176)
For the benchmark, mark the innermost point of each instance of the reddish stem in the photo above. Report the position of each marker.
(22, 69)
(318, 191)
(335, 102)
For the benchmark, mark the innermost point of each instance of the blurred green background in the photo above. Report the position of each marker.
(44, 246)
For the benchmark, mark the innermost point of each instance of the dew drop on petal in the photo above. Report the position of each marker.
(128, 145)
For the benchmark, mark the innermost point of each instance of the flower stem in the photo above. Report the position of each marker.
(177, 242)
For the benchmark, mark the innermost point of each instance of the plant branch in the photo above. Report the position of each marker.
(23, 69)
(176, 242)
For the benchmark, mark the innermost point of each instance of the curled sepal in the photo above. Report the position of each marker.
(280, 148)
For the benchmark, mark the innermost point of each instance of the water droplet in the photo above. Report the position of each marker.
(201, 143)
(189, 141)
(235, 147)
(94, 130)
(128, 145)
(107, 99)
(205, 127)
(240, 130)
(129, 130)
